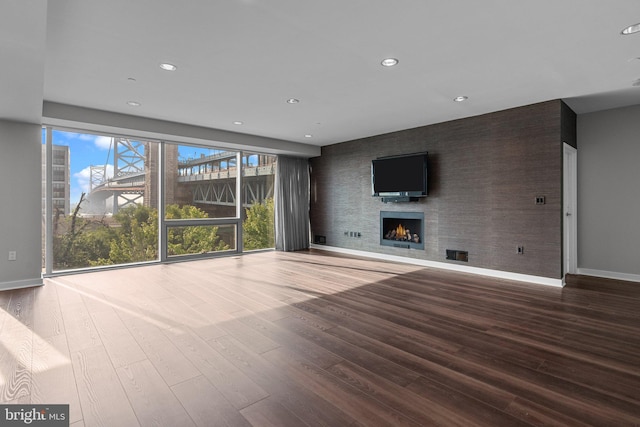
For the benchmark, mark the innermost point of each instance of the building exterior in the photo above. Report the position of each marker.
(61, 182)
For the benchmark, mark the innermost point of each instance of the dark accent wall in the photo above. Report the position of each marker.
(485, 173)
(569, 125)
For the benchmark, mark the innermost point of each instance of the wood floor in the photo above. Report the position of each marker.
(311, 338)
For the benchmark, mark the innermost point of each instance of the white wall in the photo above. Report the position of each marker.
(609, 193)
(20, 204)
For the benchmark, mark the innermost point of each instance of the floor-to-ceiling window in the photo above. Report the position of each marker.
(200, 204)
(258, 174)
(116, 200)
(102, 200)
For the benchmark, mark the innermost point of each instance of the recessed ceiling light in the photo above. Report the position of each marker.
(238, 122)
(308, 135)
(168, 67)
(133, 104)
(292, 101)
(389, 62)
(460, 98)
(631, 29)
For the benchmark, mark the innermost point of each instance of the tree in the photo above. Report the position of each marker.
(184, 212)
(195, 239)
(258, 226)
(77, 241)
(136, 239)
(133, 237)
(191, 239)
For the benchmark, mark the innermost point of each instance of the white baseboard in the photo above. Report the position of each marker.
(19, 284)
(548, 281)
(609, 274)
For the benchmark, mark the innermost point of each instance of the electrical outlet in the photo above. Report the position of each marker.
(13, 255)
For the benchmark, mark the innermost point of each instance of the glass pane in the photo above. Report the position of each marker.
(200, 239)
(258, 174)
(104, 200)
(204, 178)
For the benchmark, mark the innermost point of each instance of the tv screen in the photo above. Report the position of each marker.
(400, 175)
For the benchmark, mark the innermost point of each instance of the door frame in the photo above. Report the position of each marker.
(569, 210)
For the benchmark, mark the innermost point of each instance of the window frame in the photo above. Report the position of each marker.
(164, 225)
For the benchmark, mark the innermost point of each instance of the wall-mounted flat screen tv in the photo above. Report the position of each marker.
(402, 176)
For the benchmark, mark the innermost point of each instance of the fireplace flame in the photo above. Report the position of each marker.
(401, 233)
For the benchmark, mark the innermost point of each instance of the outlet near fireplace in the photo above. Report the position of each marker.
(402, 229)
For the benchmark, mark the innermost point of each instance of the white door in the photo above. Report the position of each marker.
(570, 204)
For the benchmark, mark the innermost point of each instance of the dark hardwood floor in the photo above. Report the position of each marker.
(312, 338)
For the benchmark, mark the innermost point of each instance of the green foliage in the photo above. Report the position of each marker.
(193, 239)
(258, 227)
(77, 240)
(132, 235)
(184, 212)
(76, 248)
(137, 236)
(196, 239)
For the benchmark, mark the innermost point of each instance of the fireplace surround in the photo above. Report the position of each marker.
(402, 229)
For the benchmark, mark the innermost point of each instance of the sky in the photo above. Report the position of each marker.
(86, 150)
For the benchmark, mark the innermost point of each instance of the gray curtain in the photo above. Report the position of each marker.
(292, 204)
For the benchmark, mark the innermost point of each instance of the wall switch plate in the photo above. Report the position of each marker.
(13, 255)
(520, 250)
(540, 200)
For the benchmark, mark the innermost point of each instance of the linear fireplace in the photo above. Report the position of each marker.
(402, 229)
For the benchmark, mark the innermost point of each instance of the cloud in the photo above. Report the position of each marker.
(103, 142)
(100, 141)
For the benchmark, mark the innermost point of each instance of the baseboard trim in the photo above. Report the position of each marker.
(609, 274)
(539, 280)
(20, 284)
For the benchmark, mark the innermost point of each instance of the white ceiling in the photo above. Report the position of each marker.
(242, 59)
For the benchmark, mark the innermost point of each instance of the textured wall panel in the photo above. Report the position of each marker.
(484, 175)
